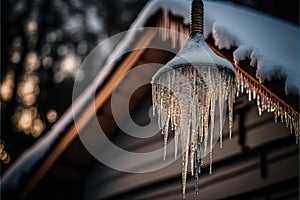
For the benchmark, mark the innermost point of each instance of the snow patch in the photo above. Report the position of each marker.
(271, 44)
(223, 38)
(195, 51)
(243, 52)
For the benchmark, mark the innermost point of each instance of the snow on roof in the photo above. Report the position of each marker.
(269, 42)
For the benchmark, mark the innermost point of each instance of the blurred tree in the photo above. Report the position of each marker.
(42, 45)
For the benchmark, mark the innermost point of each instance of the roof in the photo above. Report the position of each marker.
(269, 43)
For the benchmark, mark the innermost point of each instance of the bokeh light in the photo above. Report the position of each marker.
(4, 156)
(31, 27)
(15, 57)
(68, 66)
(32, 62)
(37, 127)
(52, 116)
(6, 87)
(27, 120)
(42, 52)
(28, 90)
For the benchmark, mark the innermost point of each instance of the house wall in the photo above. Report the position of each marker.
(260, 161)
(266, 165)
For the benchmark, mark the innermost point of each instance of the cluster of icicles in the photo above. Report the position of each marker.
(267, 103)
(196, 114)
(173, 29)
(191, 102)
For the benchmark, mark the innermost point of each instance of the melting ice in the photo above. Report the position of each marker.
(191, 102)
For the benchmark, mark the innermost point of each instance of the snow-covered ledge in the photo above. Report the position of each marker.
(270, 43)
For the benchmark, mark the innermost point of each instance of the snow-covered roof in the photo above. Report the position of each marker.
(271, 43)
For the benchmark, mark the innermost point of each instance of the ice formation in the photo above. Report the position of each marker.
(191, 95)
(266, 102)
(263, 51)
(257, 36)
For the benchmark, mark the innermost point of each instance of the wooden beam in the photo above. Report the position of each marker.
(256, 82)
(100, 99)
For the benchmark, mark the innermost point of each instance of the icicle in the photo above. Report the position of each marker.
(269, 103)
(187, 101)
(221, 101)
(249, 95)
(230, 108)
(212, 125)
(188, 97)
(198, 165)
(165, 23)
(205, 121)
(165, 133)
(242, 85)
(176, 135)
(275, 117)
(170, 30)
(254, 94)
